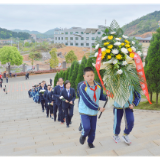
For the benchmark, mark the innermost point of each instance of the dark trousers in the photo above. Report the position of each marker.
(68, 113)
(43, 104)
(61, 112)
(6, 81)
(89, 127)
(55, 108)
(118, 114)
(49, 109)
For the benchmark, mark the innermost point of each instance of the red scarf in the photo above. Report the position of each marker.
(94, 97)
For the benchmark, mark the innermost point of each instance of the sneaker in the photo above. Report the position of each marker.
(82, 139)
(126, 139)
(51, 117)
(80, 128)
(116, 139)
(67, 126)
(91, 145)
(47, 116)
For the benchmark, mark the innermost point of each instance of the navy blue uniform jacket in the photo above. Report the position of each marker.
(72, 97)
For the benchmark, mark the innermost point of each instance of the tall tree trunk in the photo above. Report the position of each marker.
(156, 98)
(151, 96)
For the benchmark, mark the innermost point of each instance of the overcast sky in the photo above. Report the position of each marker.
(44, 17)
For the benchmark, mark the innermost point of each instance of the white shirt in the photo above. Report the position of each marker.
(68, 91)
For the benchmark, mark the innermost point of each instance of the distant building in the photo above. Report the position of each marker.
(5, 41)
(29, 41)
(34, 36)
(144, 40)
(67, 37)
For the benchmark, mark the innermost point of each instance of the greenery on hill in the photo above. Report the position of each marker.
(148, 23)
(6, 34)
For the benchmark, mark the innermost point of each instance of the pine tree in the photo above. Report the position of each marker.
(71, 70)
(89, 63)
(80, 70)
(56, 79)
(67, 74)
(60, 75)
(152, 68)
(74, 75)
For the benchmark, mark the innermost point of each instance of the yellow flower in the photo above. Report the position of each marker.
(102, 57)
(106, 43)
(110, 37)
(127, 41)
(131, 55)
(109, 57)
(108, 50)
(119, 56)
(127, 45)
(110, 46)
(129, 49)
(104, 53)
(122, 44)
(119, 38)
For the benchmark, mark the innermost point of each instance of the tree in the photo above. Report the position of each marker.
(54, 59)
(89, 63)
(60, 75)
(67, 74)
(152, 68)
(71, 70)
(10, 55)
(80, 70)
(56, 79)
(32, 57)
(74, 75)
(70, 57)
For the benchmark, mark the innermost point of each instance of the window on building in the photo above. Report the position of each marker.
(66, 44)
(87, 44)
(81, 32)
(87, 38)
(76, 44)
(66, 38)
(55, 38)
(66, 32)
(71, 32)
(93, 38)
(71, 44)
(87, 33)
(61, 38)
(71, 38)
(82, 38)
(58, 38)
(82, 44)
(99, 32)
(77, 32)
(92, 44)
(76, 38)
(93, 33)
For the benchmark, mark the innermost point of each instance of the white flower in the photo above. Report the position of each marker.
(104, 38)
(103, 49)
(115, 61)
(133, 48)
(119, 71)
(117, 43)
(61, 97)
(124, 50)
(97, 46)
(96, 54)
(125, 37)
(133, 42)
(139, 53)
(124, 63)
(112, 32)
(115, 51)
(118, 39)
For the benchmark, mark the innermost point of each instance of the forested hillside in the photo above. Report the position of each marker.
(6, 34)
(148, 23)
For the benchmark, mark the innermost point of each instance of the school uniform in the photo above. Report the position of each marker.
(88, 108)
(49, 107)
(42, 100)
(56, 93)
(68, 108)
(6, 79)
(51, 82)
(134, 99)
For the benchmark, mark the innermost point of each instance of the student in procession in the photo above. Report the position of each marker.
(133, 101)
(68, 105)
(50, 101)
(46, 98)
(90, 93)
(6, 89)
(57, 91)
(42, 100)
(50, 81)
(55, 106)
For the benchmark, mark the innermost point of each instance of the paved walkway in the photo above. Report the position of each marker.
(25, 130)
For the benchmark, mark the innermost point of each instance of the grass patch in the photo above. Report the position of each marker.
(146, 106)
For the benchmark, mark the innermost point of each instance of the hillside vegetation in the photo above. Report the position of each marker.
(148, 23)
(6, 34)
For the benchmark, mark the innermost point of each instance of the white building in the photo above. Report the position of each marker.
(66, 36)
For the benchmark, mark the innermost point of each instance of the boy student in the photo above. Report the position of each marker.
(90, 93)
(68, 105)
(57, 91)
(118, 111)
